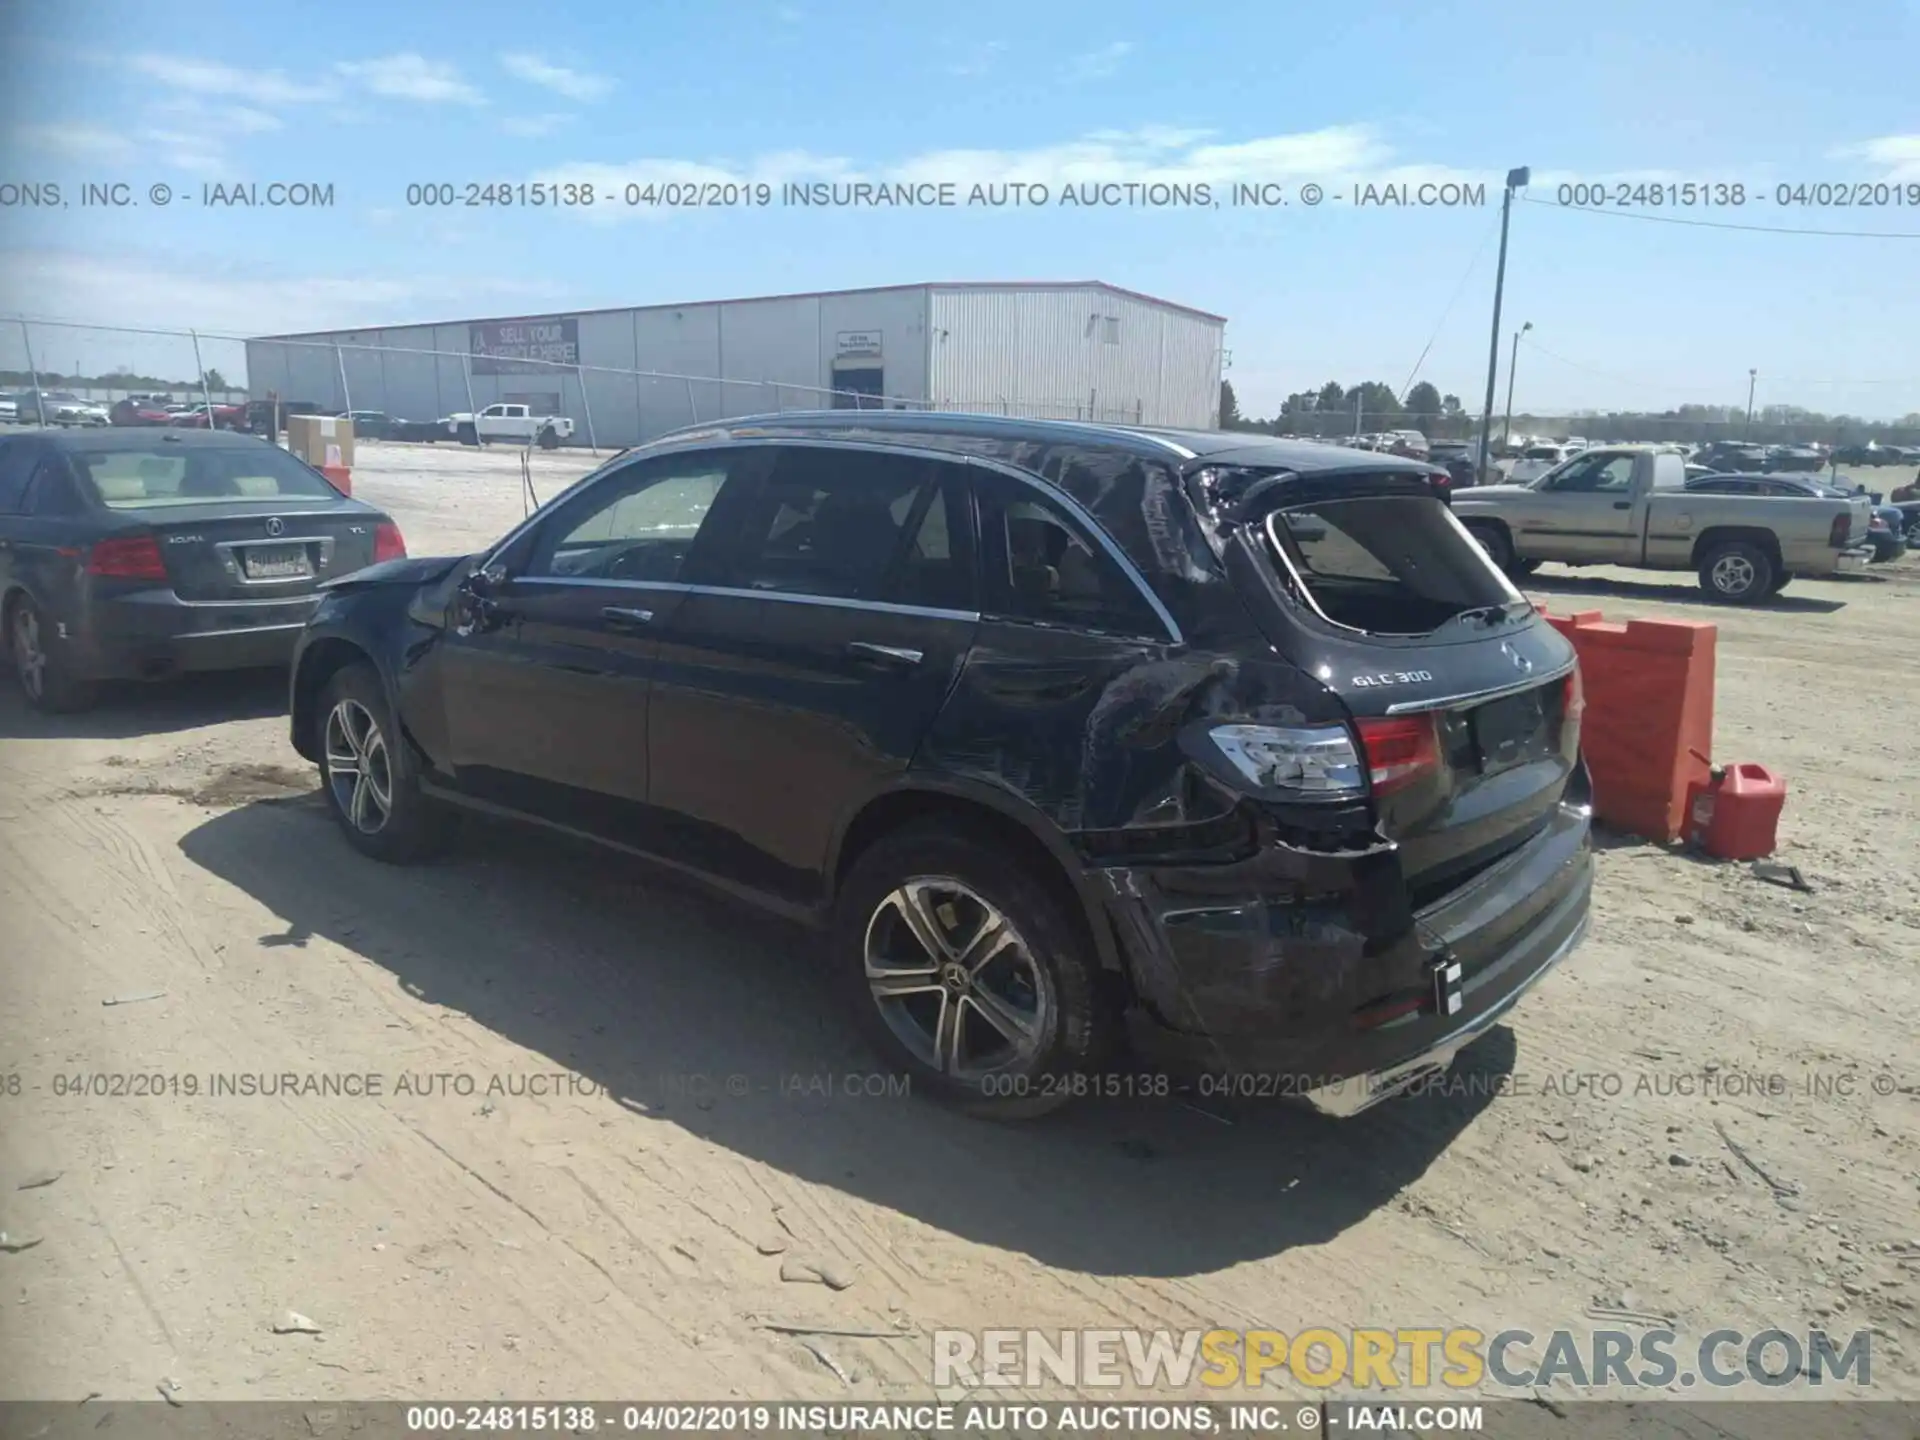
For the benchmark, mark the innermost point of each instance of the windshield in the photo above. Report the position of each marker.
(197, 475)
(1387, 564)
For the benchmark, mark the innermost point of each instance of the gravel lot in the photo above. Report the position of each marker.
(1711, 1115)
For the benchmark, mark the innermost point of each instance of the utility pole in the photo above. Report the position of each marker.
(1516, 180)
(1753, 377)
(1506, 428)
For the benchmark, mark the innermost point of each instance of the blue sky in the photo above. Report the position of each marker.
(370, 98)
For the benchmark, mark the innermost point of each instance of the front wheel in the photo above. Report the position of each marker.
(966, 973)
(467, 435)
(1494, 540)
(368, 774)
(1739, 572)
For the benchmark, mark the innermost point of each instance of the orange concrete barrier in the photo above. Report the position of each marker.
(340, 477)
(1648, 729)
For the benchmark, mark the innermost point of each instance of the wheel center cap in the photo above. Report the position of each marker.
(955, 978)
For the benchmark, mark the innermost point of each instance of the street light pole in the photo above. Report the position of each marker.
(1516, 180)
(1506, 428)
(1752, 377)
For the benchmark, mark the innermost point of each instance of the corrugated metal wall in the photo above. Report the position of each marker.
(1074, 353)
(1048, 353)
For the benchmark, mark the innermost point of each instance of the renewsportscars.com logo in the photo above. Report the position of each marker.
(1383, 1359)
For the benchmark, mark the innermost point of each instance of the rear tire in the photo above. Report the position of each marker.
(1738, 572)
(45, 680)
(1780, 583)
(966, 974)
(549, 439)
(369, 774)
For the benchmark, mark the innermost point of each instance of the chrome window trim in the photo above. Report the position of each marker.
(1481, 697)
(883, 607)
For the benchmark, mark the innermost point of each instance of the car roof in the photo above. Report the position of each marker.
(146, 438)
(1191, 448)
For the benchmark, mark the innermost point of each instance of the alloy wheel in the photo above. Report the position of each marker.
(955, 981)
(359, 767)
(1733, 575)
(28, 656)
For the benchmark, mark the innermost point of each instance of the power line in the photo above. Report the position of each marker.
(1459, 290)
(1725, 224)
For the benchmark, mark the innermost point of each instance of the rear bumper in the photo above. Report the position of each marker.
(154, 633)
(1852, 562)
(1315, 994)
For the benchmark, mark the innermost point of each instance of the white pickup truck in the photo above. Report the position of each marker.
(506, 421)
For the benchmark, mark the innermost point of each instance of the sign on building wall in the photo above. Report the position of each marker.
(856, 342)
(508, 347)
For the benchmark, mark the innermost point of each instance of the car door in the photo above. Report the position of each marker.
(45, 534)
(18, 455)
(801, 682)
(1583, 512)
(544, 678)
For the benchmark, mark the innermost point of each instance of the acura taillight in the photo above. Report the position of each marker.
(127, 557)
(1573, 705)
(1842, 531)
(1400, 750)
(387, 542)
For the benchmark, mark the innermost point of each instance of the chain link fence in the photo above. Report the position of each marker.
(414, 388)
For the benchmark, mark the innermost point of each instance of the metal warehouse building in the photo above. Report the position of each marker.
(1072, 350)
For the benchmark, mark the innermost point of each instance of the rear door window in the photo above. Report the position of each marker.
(856, 525)
(1043, 566)
(1385, 564)
(16, 464)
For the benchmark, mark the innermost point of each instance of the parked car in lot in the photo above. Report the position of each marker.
(225, 417)
(63, 407)
(130, 554)
(370, 424)
(1534, 461)
(1731, 458)
(139, 410)
(1621, 505)
(1060, 731)
(1459, 458)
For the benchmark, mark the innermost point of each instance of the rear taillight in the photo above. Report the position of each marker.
(1842, 531)
(127, 557)
(387, 542)
(1400, 750)
(1573, 705)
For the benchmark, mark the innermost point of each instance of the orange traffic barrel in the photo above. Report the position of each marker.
(340, 477)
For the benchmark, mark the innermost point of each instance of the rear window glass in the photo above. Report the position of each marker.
(1543, 452)
(1386, 564)
(197, 475)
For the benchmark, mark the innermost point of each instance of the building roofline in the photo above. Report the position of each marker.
(749, 299)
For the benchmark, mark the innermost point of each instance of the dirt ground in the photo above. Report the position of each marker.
(609, 1112)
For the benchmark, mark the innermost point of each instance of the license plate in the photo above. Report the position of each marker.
(1508, 732)
(276, 562)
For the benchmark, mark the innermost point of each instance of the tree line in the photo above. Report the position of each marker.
(1334, 411)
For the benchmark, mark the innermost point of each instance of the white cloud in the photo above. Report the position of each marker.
(218, 119)
(217, 302)
(74, 141)
(186, 150)
(1099, 64)
(1898, 156)
(533, 127)
(409, 76)
(574, 84)
(206, 77)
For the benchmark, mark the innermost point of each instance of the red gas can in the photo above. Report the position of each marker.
(1736, 814)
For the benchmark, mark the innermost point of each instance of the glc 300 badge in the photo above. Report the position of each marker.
(1392, 677)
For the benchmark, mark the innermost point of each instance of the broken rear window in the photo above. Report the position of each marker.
(1386, 564)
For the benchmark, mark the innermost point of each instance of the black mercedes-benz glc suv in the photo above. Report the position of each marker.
(1066, 734)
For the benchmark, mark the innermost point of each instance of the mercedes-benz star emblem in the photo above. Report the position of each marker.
(275, 525)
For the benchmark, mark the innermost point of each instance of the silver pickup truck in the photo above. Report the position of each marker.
(1628, 505)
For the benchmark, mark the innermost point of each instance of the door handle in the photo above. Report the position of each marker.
(621, 618)
(1623, 504)
(893, 656)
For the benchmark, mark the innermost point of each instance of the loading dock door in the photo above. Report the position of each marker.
(858, 387)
